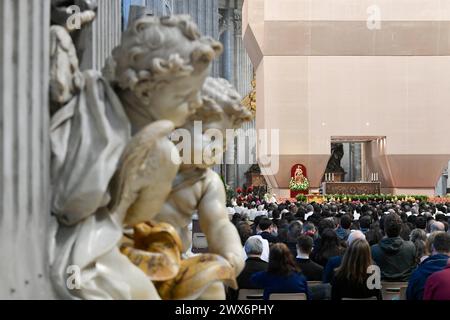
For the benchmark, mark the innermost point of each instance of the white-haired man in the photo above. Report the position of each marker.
(254, 247)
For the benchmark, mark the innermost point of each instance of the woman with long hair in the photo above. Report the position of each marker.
(419, 238)
(329, 247)
(282, 275)
(294, 231)
(350, 279)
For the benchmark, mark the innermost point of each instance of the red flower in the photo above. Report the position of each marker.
(239, 190)
(249, 189)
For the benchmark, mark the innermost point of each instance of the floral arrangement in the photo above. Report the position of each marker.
(295, 186)
(440, 199)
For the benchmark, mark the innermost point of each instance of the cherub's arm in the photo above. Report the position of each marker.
(221, 234)
(143, 181)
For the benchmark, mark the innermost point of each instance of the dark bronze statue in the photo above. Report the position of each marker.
(334, 164)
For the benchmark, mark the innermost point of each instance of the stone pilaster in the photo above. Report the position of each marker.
(243, 76)
(103, 35)
(206, 14)
(160, 7)
(25, 218)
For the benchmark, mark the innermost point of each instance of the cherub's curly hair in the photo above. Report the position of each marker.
(151, 53)
(221, 99)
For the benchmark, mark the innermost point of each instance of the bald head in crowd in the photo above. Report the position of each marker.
(437, 226)
(355, 235)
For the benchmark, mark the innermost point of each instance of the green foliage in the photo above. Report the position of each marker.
(301, 198)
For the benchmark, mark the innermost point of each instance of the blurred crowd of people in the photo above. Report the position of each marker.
(343, 244)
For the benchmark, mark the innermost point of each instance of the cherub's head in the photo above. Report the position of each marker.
(222, 106)
(221, 111)
(160, 66)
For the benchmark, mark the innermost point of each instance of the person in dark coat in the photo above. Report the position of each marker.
(329, 247)
(253, 248)
(436, 262)
(311, 270)
(395, 256)
(266, 227)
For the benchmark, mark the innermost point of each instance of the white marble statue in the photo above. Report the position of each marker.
(112, 161)
(197, 188)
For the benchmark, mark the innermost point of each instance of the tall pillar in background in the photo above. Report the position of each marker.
(357, 162)
(227, 73)
(103, 35)
(206, 14)
(25, 218)
(161, 7)
(243, 76)
(346, 162)
(240, 69)
(243, 67)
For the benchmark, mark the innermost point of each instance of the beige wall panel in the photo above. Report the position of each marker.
(324, 74)
(391, 10)
(353, 38)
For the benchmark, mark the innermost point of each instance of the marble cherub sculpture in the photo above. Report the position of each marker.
(199, 189)
(110, 152)
(158, 72)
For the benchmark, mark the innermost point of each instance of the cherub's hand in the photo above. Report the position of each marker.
(63, 14)
(86, 17)
(66, 79)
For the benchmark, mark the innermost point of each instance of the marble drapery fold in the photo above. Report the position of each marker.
(88, 136)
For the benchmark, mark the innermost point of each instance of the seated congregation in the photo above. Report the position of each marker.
(374, 250)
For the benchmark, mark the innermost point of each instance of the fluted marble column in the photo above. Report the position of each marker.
(24, 145)
(104, 34)
(243, 75)
(206, 14)
(240, 71)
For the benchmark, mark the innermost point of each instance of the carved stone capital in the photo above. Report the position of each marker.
(237, 20)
